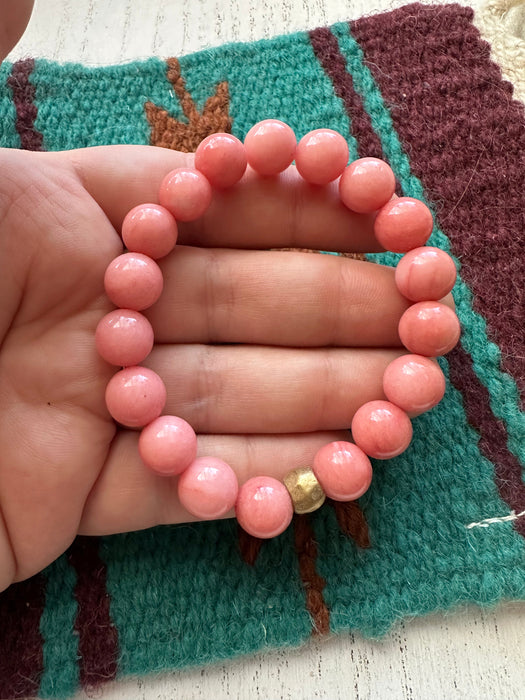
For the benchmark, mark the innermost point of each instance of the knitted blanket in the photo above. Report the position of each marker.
(443, 524)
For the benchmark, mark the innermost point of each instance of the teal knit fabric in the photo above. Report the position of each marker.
(412, 86)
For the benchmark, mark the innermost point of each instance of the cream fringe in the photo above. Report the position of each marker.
(502, 24)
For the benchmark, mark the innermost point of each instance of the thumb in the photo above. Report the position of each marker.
(121, 177)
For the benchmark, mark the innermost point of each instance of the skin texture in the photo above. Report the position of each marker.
(267, 354)
(14, 16)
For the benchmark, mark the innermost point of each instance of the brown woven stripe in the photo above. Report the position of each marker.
(466, 141)
(313, 583)
(249, 546)
(326, 49)
(352, 521)
(24, 100)
(493, 435)
(168, 132)
(97, 635)
(21, 658)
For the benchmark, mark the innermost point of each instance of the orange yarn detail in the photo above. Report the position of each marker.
(352, 522)
(306, 548)
(168, 132)
(249, 546)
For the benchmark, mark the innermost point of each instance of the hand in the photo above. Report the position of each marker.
(266, 353)
(15, 15)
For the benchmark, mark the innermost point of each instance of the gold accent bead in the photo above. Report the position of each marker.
(306, 492)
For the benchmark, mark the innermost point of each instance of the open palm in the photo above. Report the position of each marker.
(266, 353)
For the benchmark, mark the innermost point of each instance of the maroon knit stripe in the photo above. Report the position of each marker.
(466, 141)
(327, 52)
(97, 635)
(24, 99)
(21, 658)
(493, 434)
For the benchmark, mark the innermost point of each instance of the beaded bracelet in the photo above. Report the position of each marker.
(413, 383)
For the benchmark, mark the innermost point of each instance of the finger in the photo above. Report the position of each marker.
(276, 298)
(257, 213)
(15, 17)
(128, 496)
(284, 212)
(255, 389)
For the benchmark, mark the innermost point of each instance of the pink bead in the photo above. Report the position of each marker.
(168, 445)
(133, 281)
(429, 328)
(366, 185)
(402, 224)
(270, 146)
(264, 507)
(414, 383)
(149, 229)
(222, 159)
(381, 429)
(124, 337)
(208, 488)
(321, 156)
(186, 193)
(343, 470)
(425, 273)
(135, 396)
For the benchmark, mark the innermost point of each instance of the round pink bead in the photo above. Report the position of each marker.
(264, 507)
(135, 396)
(366, 185)
(270, 146)
(208, 488)
(381, 429)
(425, 274)
(414, 383)
(343, 470)
(402, 224)
(168, 445)
(149, 229)
(222, 159)
(429, 328)
(321, 156)
(133, 281)
(186, 193)
(124, 337)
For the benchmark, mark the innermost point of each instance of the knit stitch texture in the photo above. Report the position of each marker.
(443, 524)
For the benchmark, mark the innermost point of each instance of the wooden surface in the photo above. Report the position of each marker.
(468, 654)
(111, 31)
